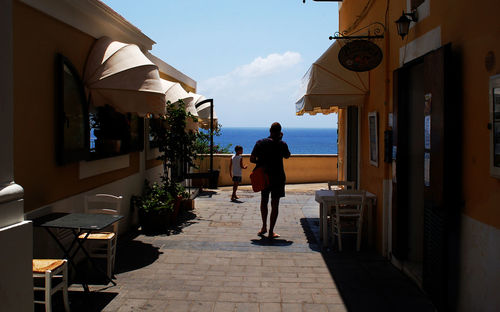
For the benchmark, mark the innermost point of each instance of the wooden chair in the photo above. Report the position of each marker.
(345, 185)
(103, 244)
(347, 215)
(47, 270)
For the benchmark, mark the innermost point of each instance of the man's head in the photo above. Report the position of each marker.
(275, 130)
(238, 149)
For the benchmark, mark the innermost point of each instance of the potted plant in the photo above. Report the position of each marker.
(155, 207)
(161, 201)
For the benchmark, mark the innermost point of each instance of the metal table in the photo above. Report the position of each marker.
(78, 223)
(326, 198)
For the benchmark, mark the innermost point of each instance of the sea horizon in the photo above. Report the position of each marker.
(300, 140)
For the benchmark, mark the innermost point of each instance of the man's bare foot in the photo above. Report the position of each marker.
(273, 235)
(262, 232)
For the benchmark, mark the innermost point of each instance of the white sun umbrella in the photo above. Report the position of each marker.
(120, 75)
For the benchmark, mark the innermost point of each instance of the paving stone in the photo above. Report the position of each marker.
(216, 263)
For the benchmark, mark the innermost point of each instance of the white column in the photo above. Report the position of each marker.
(16, 238)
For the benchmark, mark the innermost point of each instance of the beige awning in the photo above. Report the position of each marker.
(328, 85)
(120, 75)
(203, 111)
(175, 92)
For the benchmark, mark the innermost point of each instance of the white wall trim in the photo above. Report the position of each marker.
(95, 18)
(423, 10)
(428, 42)
(100, 166)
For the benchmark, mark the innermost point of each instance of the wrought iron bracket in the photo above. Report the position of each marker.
(372, 31)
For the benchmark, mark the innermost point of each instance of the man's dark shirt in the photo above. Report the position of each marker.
(269, 154)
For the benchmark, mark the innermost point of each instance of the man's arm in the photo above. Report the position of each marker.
(286, 151)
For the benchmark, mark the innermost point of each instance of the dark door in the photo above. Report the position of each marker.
(427, 182)
(352, 144)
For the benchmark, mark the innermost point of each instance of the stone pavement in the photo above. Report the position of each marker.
(214, 261)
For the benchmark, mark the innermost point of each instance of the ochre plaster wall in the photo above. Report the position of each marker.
(37, 39)
(298, 168)
(472, 31)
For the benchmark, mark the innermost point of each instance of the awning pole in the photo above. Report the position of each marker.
(211, 135)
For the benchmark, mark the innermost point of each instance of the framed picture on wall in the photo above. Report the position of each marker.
(373, 137)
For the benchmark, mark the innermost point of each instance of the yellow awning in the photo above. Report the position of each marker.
(328, 85)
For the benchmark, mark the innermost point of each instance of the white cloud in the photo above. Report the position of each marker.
(272, 64)
(260, 92)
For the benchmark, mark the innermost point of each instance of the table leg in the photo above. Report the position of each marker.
(324, 224)
(370, 222)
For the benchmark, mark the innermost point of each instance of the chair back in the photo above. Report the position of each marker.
(104, 203)
(353, 199)
(345, 185)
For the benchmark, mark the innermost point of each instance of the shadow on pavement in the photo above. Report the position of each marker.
(264, 241)
(80, 301)
(367, 281)
(133, 254)
(91, 302)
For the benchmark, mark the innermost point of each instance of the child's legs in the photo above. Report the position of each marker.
(235, 188)
(236, 182)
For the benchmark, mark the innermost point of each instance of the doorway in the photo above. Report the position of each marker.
(415, 177)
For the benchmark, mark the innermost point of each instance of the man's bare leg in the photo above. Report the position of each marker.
(263, 212)
(275, 203)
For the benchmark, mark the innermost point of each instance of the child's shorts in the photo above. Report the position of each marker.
(236, 179)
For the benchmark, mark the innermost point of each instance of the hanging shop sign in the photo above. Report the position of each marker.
(360, 55)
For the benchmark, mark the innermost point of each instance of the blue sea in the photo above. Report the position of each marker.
(299, 140)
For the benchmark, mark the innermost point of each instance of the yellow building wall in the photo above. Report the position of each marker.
(37, 39)
(298, 168)
(473, 30)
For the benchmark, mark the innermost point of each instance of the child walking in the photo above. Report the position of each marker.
(235, 167)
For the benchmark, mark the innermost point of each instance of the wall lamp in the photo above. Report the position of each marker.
(403, 23)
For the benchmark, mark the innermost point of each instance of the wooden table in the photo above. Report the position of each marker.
(326, 198)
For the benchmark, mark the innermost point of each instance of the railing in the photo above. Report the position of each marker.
(298, 168)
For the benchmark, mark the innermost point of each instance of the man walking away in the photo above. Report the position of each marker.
(269, 153)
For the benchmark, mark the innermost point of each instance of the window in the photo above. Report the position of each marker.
(72, 114)
(113, 133)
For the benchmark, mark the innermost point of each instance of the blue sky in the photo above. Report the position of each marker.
(249, 56)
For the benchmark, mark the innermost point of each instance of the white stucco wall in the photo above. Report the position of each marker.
(479, 267)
